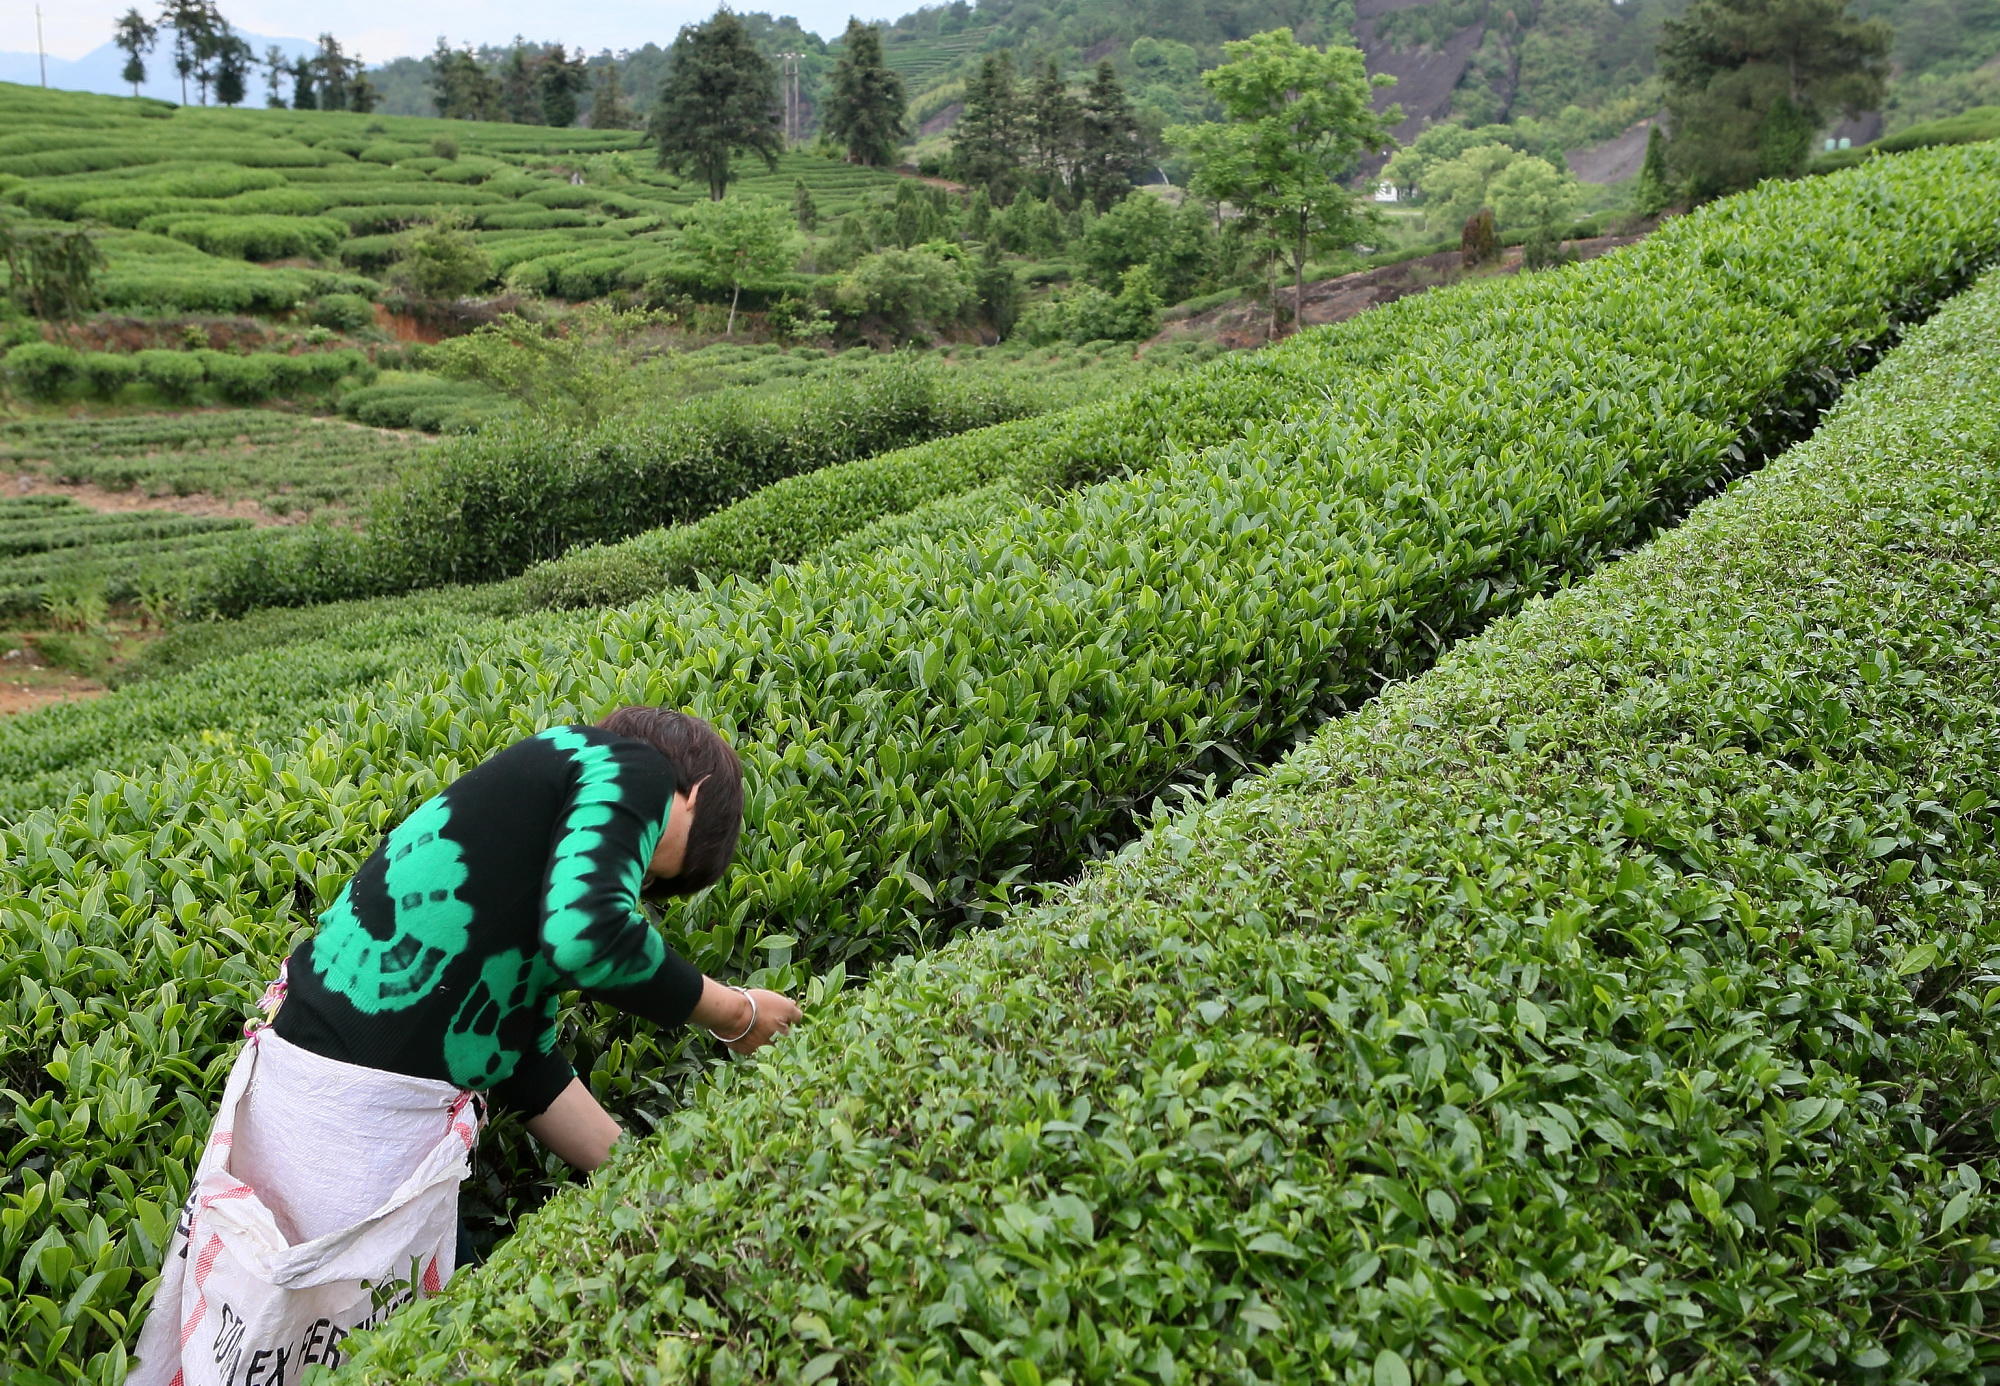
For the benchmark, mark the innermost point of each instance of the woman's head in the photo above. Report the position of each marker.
(699, 756)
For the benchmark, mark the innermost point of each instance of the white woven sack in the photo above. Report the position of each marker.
(241, 1303)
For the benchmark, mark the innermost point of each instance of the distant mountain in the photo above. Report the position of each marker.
(98, 69)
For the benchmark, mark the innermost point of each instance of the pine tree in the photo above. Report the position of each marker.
(232, 69)
(136, 36)
(332, 71)
(1652, 193)
(720, 97)
(805, 211)
(362, 95)
(462, 89)
(304, 97)
(190, 20)
(1109, 148)
(1054, 126)
(987, 144)
(561, 78)
(517, 87)
(864, 108)
(608, 110)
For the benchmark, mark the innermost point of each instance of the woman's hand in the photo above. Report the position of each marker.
(744, 1020)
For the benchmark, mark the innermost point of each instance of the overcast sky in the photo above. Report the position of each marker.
(383, 29)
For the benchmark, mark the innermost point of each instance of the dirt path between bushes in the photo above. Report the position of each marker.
(107, 501)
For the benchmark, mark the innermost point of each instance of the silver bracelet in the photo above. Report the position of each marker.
(731, 1039)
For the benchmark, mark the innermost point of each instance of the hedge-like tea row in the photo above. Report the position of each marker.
(925, 730)
(1613, 1003)
(50, 371)
(486, 506)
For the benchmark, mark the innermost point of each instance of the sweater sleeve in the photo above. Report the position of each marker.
(592, 930)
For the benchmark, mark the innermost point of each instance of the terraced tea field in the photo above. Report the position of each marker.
(1605, 1003)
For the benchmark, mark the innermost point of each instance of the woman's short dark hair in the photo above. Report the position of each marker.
(698, 755)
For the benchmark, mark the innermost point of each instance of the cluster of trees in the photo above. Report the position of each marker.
(532, 86)
(208, 51)
(1750, 82)
(1041, 138)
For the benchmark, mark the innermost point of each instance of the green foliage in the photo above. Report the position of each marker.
(525, 489)
(1611, 1003)
(1087, 314)
(51, 274)
(440, 260)
(929, 729)
(720, 98)
(1299, 119)
(865, 100)
(343, 312)
(422, 402)
(44, 370)
(573, 373)
(739, 241)
(910, 291)
(287, 463)
(1748, 81)
(1653, 192)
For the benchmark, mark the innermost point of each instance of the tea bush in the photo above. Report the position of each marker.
(1612, 1003)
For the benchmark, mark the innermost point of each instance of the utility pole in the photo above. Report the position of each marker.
(41, 51)
(793, 123)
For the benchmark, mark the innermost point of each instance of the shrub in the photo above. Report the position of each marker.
(444, 147)
(343, 312)
(1479, 242)
(177, 375)
(44, 370)
(106, 373)
(440, 261)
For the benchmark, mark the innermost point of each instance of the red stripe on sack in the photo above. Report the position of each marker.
(240, 1191)
(206, 1261)
(180, 1379)
(222, 1138)
(432, 1281)
(465, 1133)
(193, 1324)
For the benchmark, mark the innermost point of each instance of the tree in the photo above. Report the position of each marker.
(51, 274)
(362, 94)
(1652, 193)
(518, 102)
(1299, 120)
(738, 241)
(305, 96)
(574, 373)
(1457, 187)
(440, 260)
(461, 88)
(1749, 81)
(192, 21)
(333, 72)
(865, 101)
(277, 67)
(1538, 199)
(805, 211)
(136, 36)
(987, 143)
(1054, 123)
(927, 287)
(720, 97)
(560, 79)
(1109, 149)
(233, 58)
(608, 110)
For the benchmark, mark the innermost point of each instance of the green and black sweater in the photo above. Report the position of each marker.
(444, 957)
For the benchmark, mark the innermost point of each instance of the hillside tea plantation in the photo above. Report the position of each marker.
(930, 727)
(1613, 1002)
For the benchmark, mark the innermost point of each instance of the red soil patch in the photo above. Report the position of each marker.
(27, 682)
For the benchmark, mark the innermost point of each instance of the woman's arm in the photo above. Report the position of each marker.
(578, 1129)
